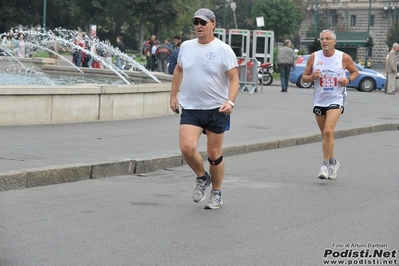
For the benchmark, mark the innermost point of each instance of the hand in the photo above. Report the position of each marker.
(343, 81)
(174, 104)
(226, 108)
(316, 74)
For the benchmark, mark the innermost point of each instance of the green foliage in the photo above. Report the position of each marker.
(322, 24)
(242, 12)
(13, 15)
(136, 20)
(42, 54)
(281, 16)
(393, 34)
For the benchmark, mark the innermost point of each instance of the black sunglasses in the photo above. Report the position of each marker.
(200, 21)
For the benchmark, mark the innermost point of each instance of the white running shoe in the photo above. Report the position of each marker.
(323, 173)
(200, 187)
(215, 201)
(333, 170)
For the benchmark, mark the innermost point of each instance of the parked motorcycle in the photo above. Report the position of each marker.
(265, 73)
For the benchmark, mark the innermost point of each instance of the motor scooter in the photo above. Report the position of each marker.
(265, 73)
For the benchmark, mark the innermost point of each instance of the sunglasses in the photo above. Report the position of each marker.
(200, 21)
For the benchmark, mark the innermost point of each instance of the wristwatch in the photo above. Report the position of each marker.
(349, 80)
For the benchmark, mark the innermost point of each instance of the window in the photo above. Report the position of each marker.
(334, 21)
(353, 20)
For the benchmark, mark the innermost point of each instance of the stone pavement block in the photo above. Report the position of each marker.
(235, 150)
(363, 130)
(346, 133)
(3, 182)
(153, 164)
(384, 127)
(287, 142)
(309, 139)
(12, 180)
(57, 174)
(106, 169)
(261, 146)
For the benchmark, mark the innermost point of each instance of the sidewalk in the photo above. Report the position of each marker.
(37, 155)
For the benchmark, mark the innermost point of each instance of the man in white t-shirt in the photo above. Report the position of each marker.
(326, 68)
(206, 74)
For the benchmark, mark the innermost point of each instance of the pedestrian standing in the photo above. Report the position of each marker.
(173, 59)
(285, 60)
(392, 68)
(176, 40)
(121, 46)
(162, 54)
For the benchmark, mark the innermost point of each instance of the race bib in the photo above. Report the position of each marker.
(328, 82)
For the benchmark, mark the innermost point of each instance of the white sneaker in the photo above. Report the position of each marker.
(333, 170)
(323, 173)
(215, 201)
(200, 187)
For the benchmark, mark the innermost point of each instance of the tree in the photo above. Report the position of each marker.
(90, 11)
(393, 34)
(281, 16)
(62, 14)
(245, 20)
(13, 15)
(306, 9)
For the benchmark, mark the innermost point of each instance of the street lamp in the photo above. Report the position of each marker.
(44, 14)
(366, 61)
(233, 7)
(315, 9)
(394, 8)
(224, 14)
(316, 15)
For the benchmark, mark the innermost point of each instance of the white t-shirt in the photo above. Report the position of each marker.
(327, 89)
(154, 49)
(205, 83)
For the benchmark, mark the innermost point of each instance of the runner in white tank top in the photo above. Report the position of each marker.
(326, 68)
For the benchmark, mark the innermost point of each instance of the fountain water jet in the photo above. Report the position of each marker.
(52, 52)
(63, 34)
(93, 101)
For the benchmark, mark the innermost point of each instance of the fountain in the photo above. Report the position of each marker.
(34, 97)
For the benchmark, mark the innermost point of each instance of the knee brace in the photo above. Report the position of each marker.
(217, 161)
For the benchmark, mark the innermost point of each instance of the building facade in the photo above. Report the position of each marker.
(352, 16)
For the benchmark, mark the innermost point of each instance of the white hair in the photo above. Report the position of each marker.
(334, 36)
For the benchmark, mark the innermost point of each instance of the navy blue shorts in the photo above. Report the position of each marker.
(211, 120)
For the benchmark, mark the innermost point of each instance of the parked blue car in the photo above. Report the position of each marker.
(368, 79)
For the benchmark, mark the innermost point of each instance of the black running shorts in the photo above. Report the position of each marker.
(319, 110)
(211, 120)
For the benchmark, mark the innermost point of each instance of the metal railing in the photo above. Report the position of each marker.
(248, 74)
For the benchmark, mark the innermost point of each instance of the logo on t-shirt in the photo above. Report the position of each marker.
(210, 55)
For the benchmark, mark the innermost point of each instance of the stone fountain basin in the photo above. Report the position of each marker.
(33, 104)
